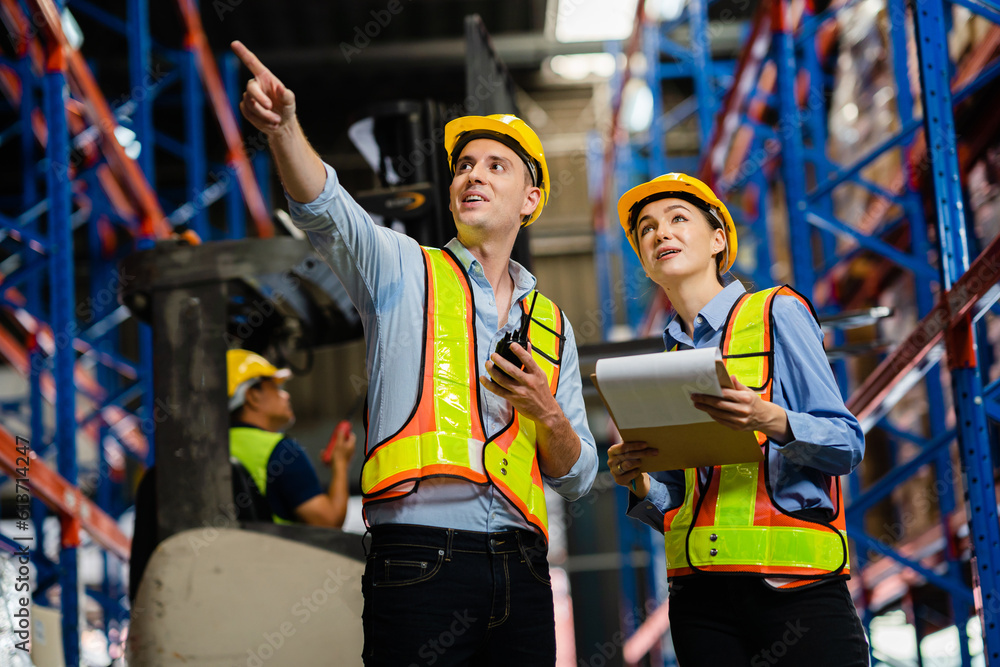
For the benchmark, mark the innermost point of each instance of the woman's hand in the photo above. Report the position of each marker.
(624, 461)
(742, 409)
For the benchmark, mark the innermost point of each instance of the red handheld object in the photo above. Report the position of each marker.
(343, 430)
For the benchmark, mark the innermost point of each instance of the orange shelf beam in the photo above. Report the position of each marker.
(197, 42)
(81, 79)
(65, 498)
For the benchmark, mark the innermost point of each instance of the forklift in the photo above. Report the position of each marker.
(217, 585)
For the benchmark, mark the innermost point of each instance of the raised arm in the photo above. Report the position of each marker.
(270, 107)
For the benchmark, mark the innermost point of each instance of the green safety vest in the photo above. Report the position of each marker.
(253, 447)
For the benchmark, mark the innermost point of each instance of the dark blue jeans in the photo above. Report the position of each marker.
(442, 597)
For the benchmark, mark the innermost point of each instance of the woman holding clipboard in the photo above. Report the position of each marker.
(756, 553)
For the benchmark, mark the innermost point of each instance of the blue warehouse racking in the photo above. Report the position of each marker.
(763, 126)
(88, 173)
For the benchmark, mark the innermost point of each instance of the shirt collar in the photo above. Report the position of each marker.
(524, 281)
(242, 424)
(714, 314)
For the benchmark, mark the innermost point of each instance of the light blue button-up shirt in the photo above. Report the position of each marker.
(383, 271)
(826, 438)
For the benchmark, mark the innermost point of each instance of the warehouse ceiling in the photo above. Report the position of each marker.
(342, 56)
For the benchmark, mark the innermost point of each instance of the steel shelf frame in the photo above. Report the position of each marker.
(612, 169)
(807, 211)
(782, 67)
(645, 155)
(77, 175)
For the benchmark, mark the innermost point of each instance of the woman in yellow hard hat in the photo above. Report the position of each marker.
(756, 553)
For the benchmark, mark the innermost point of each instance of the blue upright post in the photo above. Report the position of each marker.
(914, 210)
(194, 139)
(61, 298)
(102, 278)
(967, 387)
(33, 294)
(793, 153)
(602, 252)
(815, 118)
(141, 78)
(657, 159)
(702, 70)
(634, 289)
(29, 195)
(920, 245)
(236, 226)
(762, 227)
(262, 171)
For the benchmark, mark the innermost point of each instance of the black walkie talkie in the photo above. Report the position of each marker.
(519, 336)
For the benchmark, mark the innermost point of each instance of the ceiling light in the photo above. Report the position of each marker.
(584, 65)
(594, 20)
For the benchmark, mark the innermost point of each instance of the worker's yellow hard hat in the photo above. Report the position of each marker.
(679, 186)
(243, 369)
(510, 131)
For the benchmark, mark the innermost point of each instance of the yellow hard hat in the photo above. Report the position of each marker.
(680, 186)
(243, 368)
(510, 131)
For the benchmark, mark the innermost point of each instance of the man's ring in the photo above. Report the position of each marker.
(620, 471)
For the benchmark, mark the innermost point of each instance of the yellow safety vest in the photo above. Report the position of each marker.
(444, 436)
(732, 523)
(253, 447)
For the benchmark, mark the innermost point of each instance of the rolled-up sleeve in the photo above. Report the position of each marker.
(826, 436)
(578, 481)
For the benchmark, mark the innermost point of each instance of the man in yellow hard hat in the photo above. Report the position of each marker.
(260, 409)
(475, 394)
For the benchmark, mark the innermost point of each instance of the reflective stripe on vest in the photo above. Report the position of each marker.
(444, 436)
(253, 447)
(732, 524)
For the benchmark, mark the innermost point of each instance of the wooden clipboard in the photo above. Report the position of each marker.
(692, 445)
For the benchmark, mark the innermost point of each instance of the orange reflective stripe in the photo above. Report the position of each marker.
(501, 456)
(432, 470)
(808, 574)
(441, 435)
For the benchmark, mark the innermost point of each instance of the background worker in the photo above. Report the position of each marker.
(260, 409)
(454, 475)
(756, 553)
